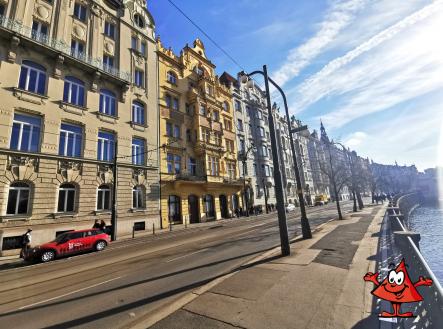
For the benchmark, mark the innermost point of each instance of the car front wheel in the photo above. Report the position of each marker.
(100, 245)
(47, 256)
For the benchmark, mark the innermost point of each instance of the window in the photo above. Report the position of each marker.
(229, 145)
(213, 166)
(268, 137)
(259, 115)
(264, 150)
(138, 113)
(138, 197)
(174, 212)
(189, 109)
(138, 149)
(18, 199)
(226, 106)
(171, 77)
(74, 91)
(77, 48)
(175, 104)
(2, 10)
(265, 170)
(237, 105)
(169, 129)
(105, 147)
(210, 90)
(70, 140)
(39, 31)
(255, 169)
(209, 206)
(261, 131)
(25, 134)
(202, 110)
(199, 70)
(143, 48)
(66, 198)
(80, 11)
(173, 163)
(107, 102)
(231, 170)
(108, 62)
(206, 135)
(138, 20)
(239, 125)
(134, 42)
(217, 139)
(188, 135)
(103, 198)
(245, 169)
(138, 78)
(192, 166)
(168, 100)
(110, 30)
(215, 116)
(242, 145)
(228, 124)
(176, 133)
(32, 77)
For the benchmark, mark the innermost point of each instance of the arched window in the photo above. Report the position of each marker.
(32, 77)
(138, 197)
(107, 102)
(18, 199)
(171, 77)
(209, 206)
(74, 91)
(138, 113)
(104, 197)
(174, 207)
(66, 198)
(139, 21)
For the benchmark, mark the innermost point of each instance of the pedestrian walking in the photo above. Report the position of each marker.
(26, 243)
(96, 224)
(102, 225)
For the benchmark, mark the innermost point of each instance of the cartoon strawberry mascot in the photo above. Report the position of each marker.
(397, 288)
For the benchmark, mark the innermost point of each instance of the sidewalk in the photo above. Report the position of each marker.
(319, 286)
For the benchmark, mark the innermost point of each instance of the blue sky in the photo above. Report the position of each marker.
(372, 70)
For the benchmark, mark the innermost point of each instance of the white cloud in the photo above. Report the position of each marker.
(325, 83)
(355, 139)
(338, 17)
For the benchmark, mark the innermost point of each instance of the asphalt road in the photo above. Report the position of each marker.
(133, 279)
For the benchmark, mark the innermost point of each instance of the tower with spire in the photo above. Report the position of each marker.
(324, 136)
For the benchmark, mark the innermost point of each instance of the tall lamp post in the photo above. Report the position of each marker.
(284, 238)
(266, 195)
(305, 227)
(244, 158)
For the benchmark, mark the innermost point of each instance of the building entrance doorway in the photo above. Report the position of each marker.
(194, 213)
(224, 206)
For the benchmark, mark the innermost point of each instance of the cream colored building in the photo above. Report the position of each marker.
(75, 77)
(199, 173)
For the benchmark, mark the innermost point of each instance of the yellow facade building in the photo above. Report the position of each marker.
(199, 178)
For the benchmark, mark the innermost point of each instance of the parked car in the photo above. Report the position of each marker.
(69, 243)
(320, 200)
(290, 207)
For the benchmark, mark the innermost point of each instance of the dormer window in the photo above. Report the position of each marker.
(199, 70)
(172, 77)
(138, 20)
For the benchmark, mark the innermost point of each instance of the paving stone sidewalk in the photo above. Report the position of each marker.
(319, 286)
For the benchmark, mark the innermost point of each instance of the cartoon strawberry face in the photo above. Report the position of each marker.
(398, 287)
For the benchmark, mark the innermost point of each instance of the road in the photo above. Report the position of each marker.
(136, 278)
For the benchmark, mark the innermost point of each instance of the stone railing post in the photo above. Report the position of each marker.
(401, 240)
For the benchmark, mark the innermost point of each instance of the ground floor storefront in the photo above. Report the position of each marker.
(186, 202)
(52, 196)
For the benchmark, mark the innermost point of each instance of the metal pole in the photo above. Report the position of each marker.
(305, 227)
(114, 197)
(244, 185)
(284, 239)
(266, 195)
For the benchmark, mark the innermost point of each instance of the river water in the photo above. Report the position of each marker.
(428, 221)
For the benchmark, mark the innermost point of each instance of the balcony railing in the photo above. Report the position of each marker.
(61, 46)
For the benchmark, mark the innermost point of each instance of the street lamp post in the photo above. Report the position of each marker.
(305, 227)
(266, 195)
(284, 238)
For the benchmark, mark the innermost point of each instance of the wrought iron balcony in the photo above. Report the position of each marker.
(61, 46)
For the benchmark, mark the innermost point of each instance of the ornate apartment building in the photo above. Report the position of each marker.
(76, 78)
(199, 175)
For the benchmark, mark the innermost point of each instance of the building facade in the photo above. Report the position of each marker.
(318, 161)
(199, 172)
(78, 78)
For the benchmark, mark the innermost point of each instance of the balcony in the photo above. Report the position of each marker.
(60, 46)
(189, 176)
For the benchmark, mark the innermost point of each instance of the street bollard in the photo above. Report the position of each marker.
(133, 231)
(186, 223)
(153, 229)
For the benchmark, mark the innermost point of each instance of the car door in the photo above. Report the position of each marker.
(89, 239)
(77, 243)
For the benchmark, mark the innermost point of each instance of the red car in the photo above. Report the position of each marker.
(69, 243)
